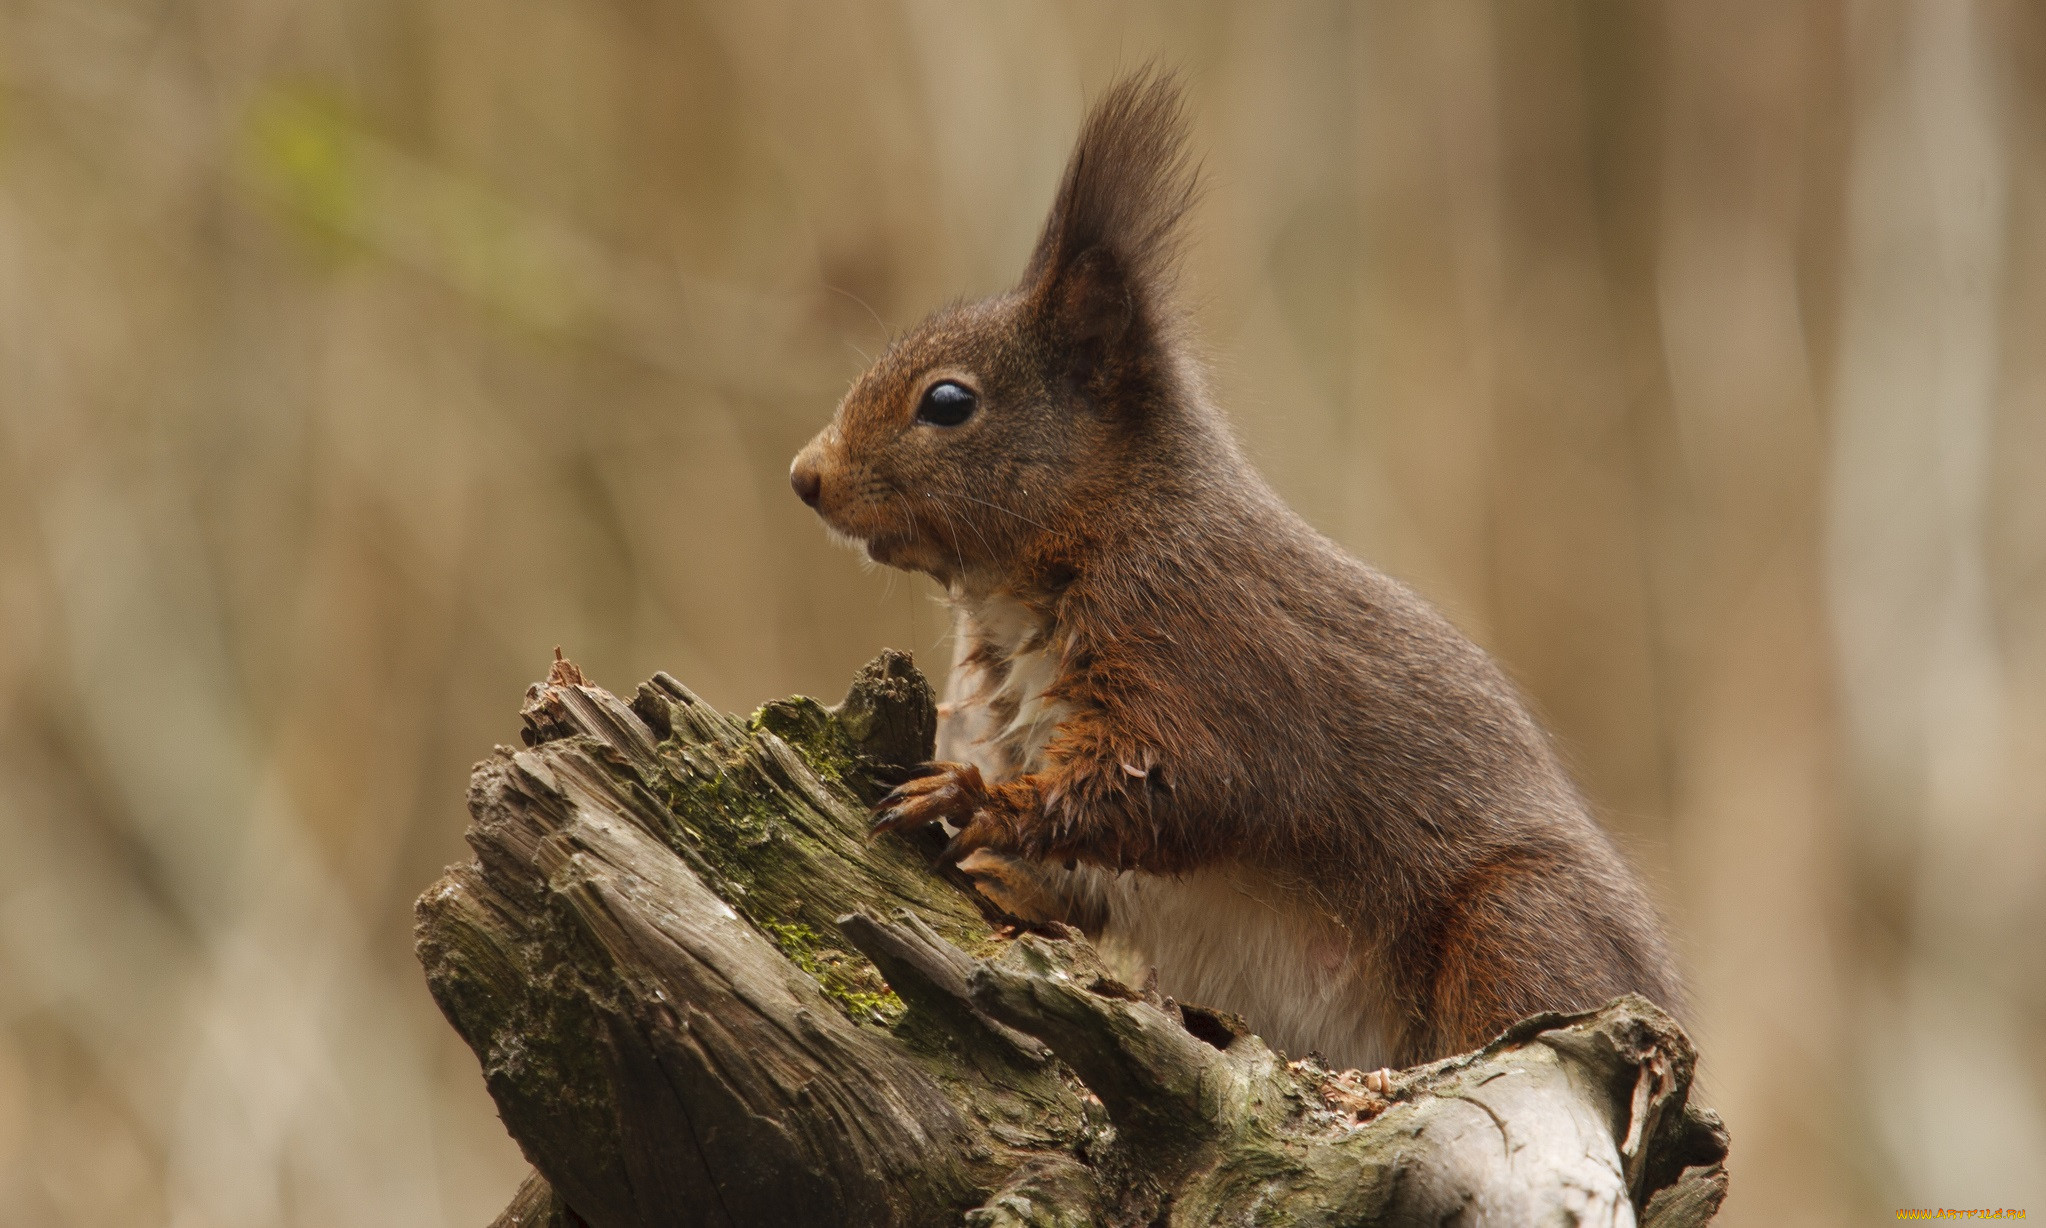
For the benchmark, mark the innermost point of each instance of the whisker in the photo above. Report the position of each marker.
(958, 552)
(984, 543)
(999, 508)
(878, 321)
(916, 529)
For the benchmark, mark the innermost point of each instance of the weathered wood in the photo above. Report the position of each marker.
(700, 996)
(536, 1205)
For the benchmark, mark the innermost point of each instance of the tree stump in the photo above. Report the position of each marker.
(700, 995)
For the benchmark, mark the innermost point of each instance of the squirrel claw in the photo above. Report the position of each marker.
(940, 791)
(979, 834)
(884, 821)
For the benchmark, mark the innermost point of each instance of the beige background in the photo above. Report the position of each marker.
(354, 353)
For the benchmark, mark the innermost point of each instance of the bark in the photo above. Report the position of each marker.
(700, 996)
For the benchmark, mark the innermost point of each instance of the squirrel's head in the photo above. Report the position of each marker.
(993, 430)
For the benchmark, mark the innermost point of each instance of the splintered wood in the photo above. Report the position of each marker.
(700, 995)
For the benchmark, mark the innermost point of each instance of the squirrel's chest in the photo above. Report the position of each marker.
(996, 713)
(1227, 936)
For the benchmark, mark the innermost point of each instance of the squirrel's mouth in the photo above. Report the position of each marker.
(897, 548)
(881, 537)
(889, 549)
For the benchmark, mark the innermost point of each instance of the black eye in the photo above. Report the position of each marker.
(947, 404)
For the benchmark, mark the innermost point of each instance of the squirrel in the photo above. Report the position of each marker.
(1243, 762)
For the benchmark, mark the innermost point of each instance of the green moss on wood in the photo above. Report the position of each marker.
(849, 979)
(813, 732)
(771, 809)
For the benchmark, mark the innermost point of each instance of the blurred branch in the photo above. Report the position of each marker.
(309, 159)
(699, 996)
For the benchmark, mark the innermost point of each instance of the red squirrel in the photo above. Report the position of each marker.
(1182, 719)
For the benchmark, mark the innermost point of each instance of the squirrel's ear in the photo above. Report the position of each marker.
(1106, 261)
(1090, 302)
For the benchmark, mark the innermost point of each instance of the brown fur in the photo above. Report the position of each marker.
(1234, 689)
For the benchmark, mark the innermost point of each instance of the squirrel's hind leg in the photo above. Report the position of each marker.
(1037, 891)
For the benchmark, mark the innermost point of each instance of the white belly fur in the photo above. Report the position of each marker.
(1229, 937)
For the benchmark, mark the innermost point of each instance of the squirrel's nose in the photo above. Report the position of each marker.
(808, 483)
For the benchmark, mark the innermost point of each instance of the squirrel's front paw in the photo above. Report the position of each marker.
(939, 792)
(952, 793)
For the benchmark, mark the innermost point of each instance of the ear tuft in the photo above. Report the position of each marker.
(1110, 248)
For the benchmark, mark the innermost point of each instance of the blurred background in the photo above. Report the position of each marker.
(355, 353)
